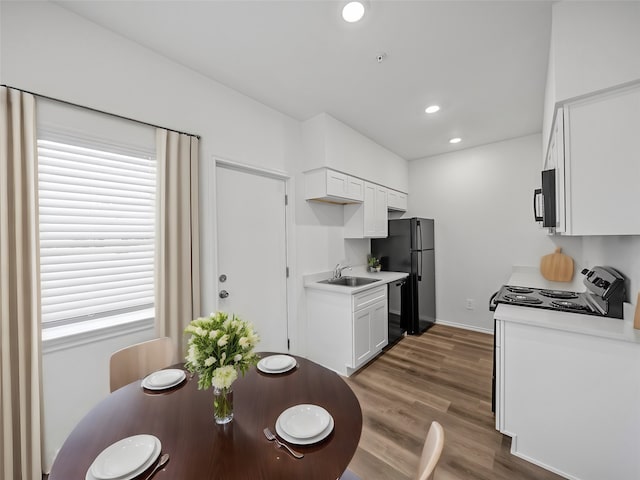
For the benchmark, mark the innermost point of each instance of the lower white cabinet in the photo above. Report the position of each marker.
(570, 401)
(370, 332)
(346, 331)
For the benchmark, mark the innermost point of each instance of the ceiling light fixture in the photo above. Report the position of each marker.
(353, 12)
(432, 109)
(455, 140)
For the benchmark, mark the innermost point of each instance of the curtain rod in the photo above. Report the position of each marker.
(100, 111)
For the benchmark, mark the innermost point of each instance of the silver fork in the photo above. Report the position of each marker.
(271, 437)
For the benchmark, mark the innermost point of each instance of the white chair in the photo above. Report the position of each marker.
(139, 360)
(431, 452)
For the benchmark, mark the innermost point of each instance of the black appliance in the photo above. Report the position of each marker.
(544, 200)
(605, 297)
(397, 296)
(409, 248)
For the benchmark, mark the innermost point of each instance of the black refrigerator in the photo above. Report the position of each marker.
(409, 248)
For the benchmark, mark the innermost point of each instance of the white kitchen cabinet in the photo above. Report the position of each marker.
(602, 163)
(332, 186)
(346, 331)
(499, 379)
(396, 200)
(569, 400)
(379, 322)
(555, 160)
(369, 219)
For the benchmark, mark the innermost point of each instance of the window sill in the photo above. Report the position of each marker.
(69, 336)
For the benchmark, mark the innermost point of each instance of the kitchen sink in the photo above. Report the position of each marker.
(350, 281)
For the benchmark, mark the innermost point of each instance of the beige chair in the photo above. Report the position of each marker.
(139, 360)
(430, 455)
(431, 452)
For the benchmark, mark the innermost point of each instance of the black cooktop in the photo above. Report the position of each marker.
(604, 296)
(561, 300)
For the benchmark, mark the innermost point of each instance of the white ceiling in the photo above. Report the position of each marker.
(483, 62)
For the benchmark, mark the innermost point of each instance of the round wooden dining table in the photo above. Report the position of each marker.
(182, 419)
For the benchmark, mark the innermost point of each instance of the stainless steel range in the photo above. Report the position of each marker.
(604, 296)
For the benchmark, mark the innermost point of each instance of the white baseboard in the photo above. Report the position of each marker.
(465, 326)
(542, 464)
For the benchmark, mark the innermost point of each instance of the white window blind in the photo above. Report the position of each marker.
(97, 229)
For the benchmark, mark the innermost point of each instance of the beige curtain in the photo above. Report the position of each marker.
(20, 343)
(177, 243)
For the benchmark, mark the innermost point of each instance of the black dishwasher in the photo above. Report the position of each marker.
(398, 311)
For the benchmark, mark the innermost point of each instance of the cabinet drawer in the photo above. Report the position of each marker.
(368, 297)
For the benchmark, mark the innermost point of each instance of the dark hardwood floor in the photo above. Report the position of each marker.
(443, 375)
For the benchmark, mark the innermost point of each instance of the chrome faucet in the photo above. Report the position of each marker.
(337, 272)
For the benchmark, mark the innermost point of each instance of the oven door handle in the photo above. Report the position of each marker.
(492, 306)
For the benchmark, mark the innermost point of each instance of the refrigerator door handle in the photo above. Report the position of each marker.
(419, 227)
(420, 262)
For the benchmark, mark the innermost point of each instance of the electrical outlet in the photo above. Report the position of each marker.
(471, 304)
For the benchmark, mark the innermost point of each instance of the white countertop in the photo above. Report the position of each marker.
(606, 327)
(312, 281)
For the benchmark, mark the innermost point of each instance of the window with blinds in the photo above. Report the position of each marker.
(97, 229)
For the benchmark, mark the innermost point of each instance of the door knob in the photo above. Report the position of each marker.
(223, 294)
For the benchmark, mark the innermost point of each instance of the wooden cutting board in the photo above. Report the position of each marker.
(557, 266)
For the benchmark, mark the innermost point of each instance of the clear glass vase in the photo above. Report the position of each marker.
(223, 404)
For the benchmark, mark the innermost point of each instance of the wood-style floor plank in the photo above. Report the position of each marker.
(444, 375)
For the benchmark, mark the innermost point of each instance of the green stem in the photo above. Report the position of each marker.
(222, 403)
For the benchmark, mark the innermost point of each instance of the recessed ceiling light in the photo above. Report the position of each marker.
(352, 12)
(432, 109)
(455, 140)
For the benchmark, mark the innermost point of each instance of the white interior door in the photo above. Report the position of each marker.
(252, 255)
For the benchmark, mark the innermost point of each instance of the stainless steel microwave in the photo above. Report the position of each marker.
(544, 200)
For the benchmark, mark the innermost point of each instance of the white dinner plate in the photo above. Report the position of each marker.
(305, 441)
(304, 421)
(125, 459)
(276, 364)
(163, 379)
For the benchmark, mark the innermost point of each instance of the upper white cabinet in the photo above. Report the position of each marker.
(369, 219)
(329, 185)
(555, 160)
(396, 200)
(602, 163)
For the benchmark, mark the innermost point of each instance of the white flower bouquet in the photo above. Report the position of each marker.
(220, 346)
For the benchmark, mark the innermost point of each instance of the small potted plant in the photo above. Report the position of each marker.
(374, 263)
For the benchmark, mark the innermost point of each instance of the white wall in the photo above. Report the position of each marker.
(621, 253)
(50, 51)
(481, 201)
(594, 46)
(331, 143)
